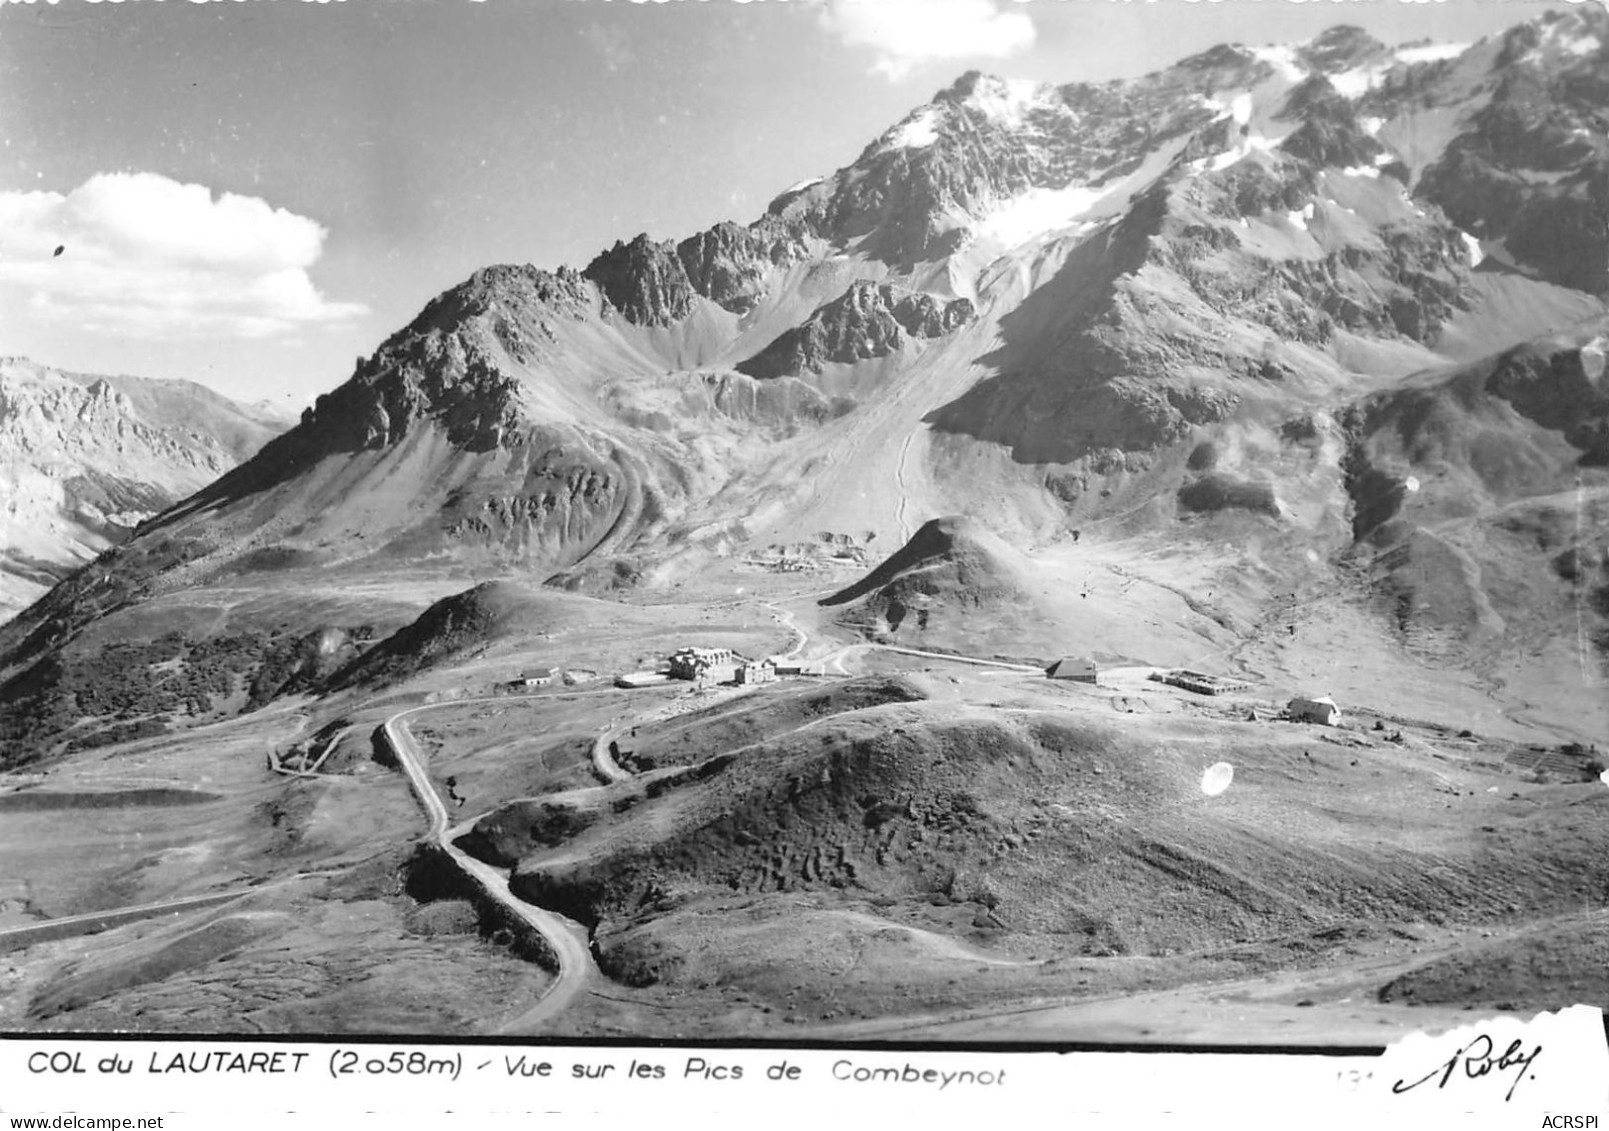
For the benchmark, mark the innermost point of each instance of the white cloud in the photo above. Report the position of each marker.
(144, 256)
(905, 33)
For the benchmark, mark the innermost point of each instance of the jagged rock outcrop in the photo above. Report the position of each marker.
(675, 401)
(1530, 175)
(645, 281)
(728, 264)
(1342, 48)
(868, 320)
(452, 366)
(565, 497)
(1410, 288)
(656, 284)
(1564, 389)
(1330, 133)
(517, 303)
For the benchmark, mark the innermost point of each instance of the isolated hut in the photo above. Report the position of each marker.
(1321, 710)
(536, 677)
(1080, 669)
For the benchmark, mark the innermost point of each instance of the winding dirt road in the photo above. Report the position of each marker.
(93, 922)
(603, 761)
(800, 636)
(567, 939)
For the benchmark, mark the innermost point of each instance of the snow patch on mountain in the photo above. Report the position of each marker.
(1038, 212)
(1359, 81)
(1006, 102)
(1283, 59)
(1564, 36)
(126, 519)
(919, 132)
(1245, 145)
(1582, 45)
(1473, 245)
(1592, 359)
(1355, 82)
(1238, 107)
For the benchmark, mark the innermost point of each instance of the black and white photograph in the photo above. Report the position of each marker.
(947, 522)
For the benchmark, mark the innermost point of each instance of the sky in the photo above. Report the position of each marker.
(254, 193)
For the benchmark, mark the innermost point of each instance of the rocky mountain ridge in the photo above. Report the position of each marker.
(867, 321)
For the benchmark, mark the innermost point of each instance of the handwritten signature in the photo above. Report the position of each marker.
(1477, 1059)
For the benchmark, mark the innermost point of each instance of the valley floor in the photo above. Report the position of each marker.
(328, 918)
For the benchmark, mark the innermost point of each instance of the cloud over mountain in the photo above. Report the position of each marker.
(143, 255)
(907, 33)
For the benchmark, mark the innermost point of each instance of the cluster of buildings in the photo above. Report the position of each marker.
(722, 665)
(707, 666)
(1321, 709)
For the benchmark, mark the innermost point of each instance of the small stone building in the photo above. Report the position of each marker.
(756, 671)
(1080, 669)
(1318, 709)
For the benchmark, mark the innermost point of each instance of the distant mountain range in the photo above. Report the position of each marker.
(1336, 302)
(84, 459)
